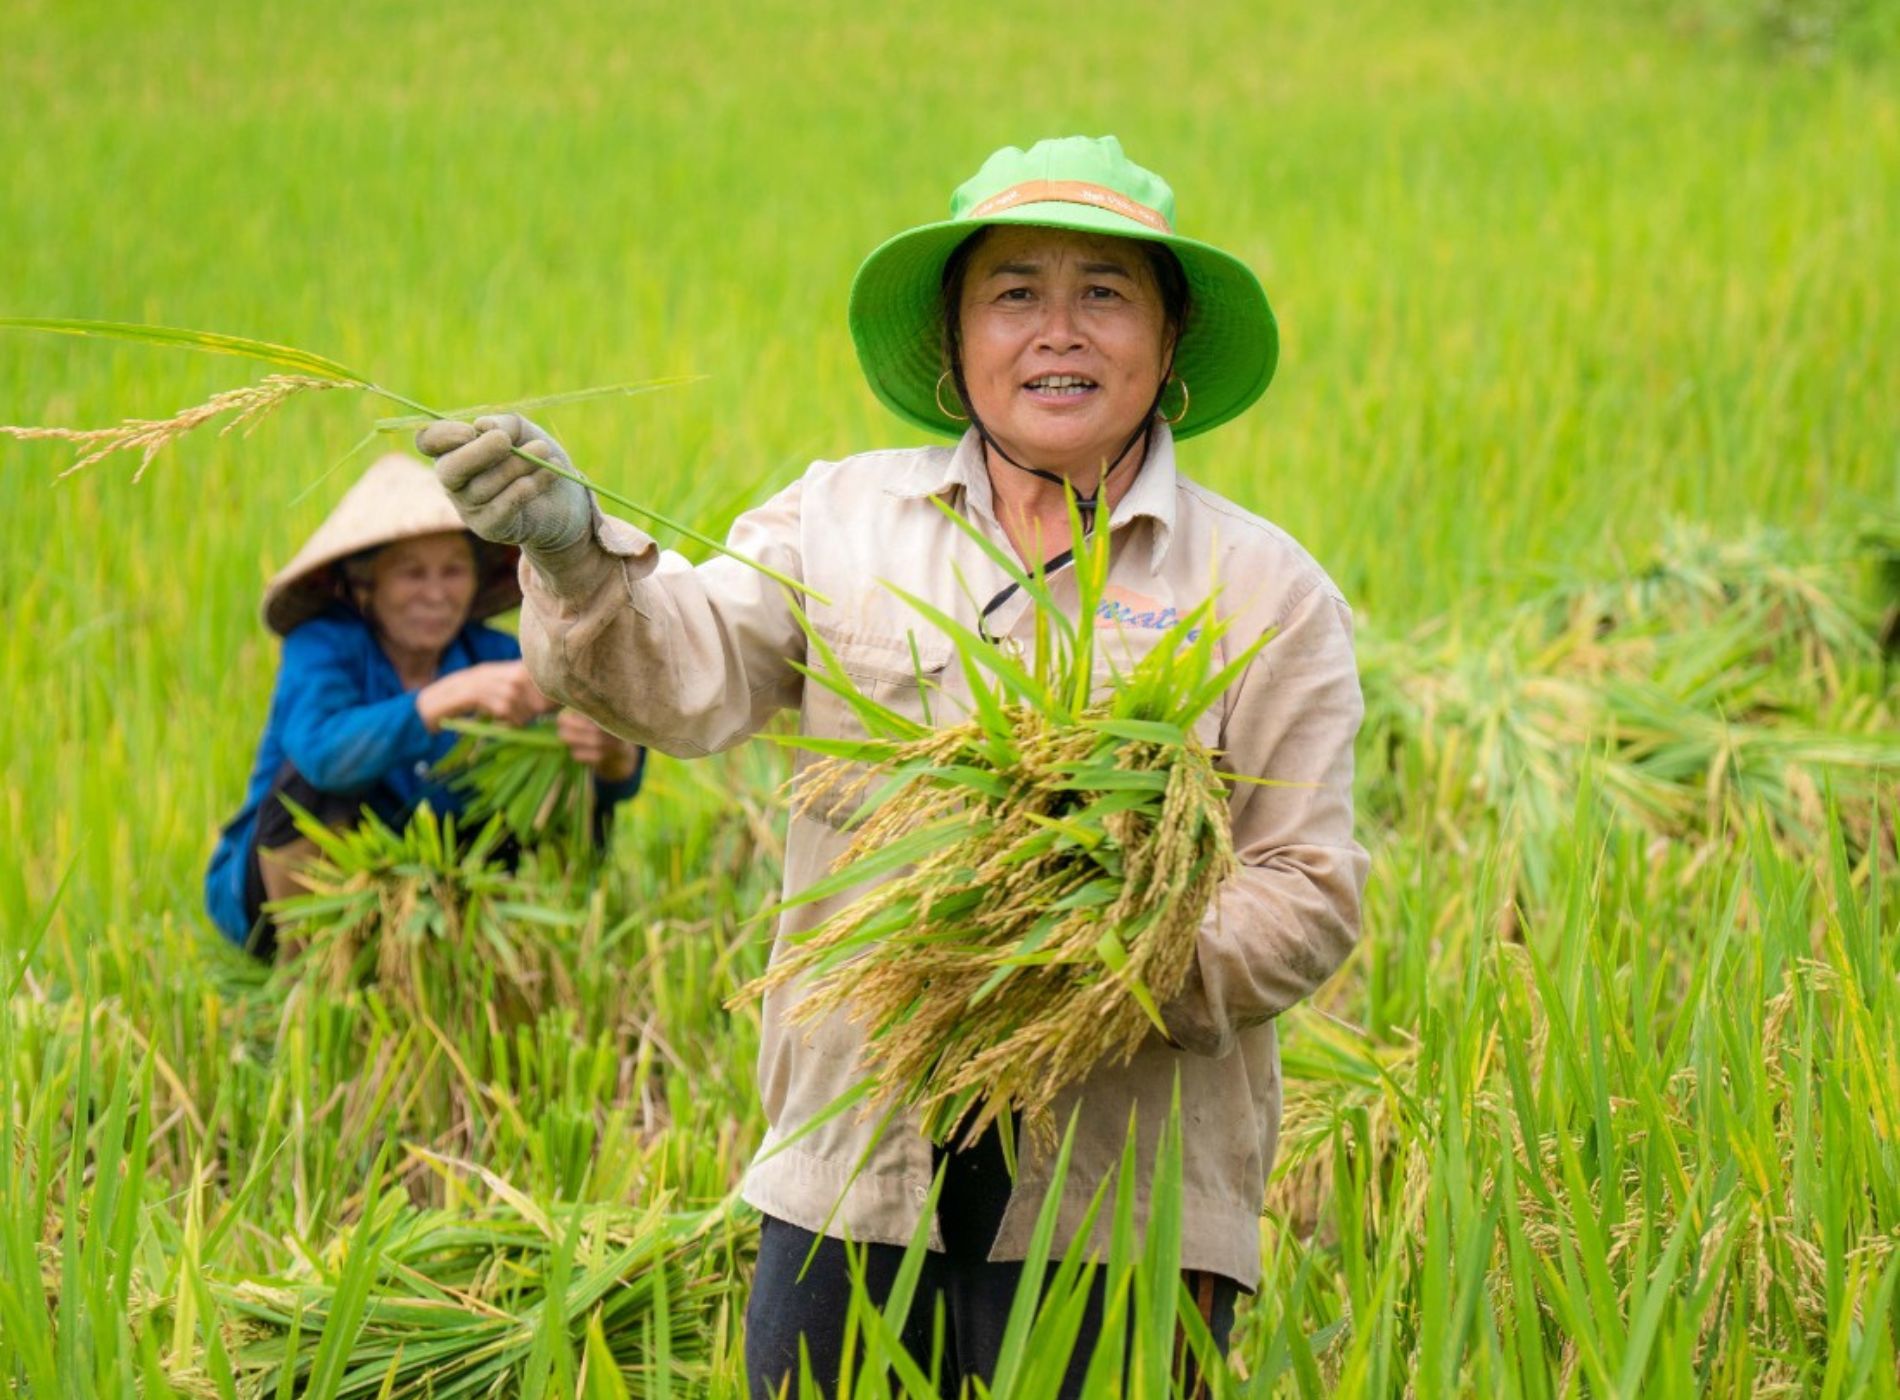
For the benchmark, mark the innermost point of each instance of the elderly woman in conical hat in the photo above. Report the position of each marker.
(1062, 333)
(383, 615)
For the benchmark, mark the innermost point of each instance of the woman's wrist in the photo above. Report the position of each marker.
(618, 764)
(436, 701)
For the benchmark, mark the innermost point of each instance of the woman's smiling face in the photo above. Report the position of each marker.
(1064, 343)
(422, 590)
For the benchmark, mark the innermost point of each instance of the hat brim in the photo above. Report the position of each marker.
(1226, 356)
(397, 498)
(290, 602)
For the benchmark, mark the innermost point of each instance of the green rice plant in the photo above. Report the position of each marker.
(1049, 861)
(550, 1018)
(79, 1200)
(1149, 1331)
(524, 775)
(1609, 1156)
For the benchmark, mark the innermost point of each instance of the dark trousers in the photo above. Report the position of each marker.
(974, 1293)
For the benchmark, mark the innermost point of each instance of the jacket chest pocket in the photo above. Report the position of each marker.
(903, 674)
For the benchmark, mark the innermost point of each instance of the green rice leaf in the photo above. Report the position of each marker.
(550, 1334)
(1141, 730)
(354, 451)
(1100, 777)
(1197, 701)
(964, 775)
(344, 1320)
(205, 342)
(1022, 1308)
(850, 750)
(924, 841)
(852, 1098)
(973, 648)
(603, 1372)
(879, 721)
(1077, 833)
(31, 944)
(1094, 895)
(1157, 1286)
(1032, 582)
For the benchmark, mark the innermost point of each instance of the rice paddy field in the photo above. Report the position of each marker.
(1589, 400)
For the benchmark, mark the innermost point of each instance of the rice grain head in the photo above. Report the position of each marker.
(248, 405)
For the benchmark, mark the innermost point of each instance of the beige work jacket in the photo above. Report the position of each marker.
(693, 659)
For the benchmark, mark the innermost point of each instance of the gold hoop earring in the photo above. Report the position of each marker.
(1171, 421)
(947, 413)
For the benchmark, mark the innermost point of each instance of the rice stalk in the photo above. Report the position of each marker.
(1581, 1082)
(150, 436)
(1721, 673)
(1041, 937)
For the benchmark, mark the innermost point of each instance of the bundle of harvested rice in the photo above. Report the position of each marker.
(1722, 680)
(1041, 868)
(524, 775)
(506, 1298)
(445, 931)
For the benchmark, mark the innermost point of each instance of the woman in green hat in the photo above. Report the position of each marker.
(1066, 337)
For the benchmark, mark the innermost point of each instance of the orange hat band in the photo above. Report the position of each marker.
(1070, 192)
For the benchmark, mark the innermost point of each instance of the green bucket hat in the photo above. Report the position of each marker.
(1226, 355)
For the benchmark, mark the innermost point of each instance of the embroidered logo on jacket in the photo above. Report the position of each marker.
(1122, 608)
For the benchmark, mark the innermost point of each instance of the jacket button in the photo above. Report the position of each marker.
(422, 768)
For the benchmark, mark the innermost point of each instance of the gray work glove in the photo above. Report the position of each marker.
(501, 497)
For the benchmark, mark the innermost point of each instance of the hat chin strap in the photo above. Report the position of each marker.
(1085, 504)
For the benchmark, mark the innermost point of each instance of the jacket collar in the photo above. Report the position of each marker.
(942, 472)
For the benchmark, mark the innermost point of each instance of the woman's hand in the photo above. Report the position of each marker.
(612, 758)
(498, 690)
(501, 497)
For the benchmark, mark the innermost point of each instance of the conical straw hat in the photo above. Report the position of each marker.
(398, 498)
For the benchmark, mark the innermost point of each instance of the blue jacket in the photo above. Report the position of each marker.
(341, 717)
